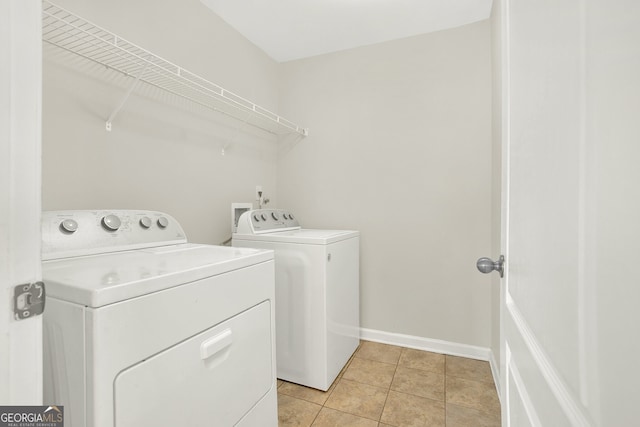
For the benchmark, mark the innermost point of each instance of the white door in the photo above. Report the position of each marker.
(571, 188)
(20, 104)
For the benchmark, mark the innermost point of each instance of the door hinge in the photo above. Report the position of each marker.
(28, 300)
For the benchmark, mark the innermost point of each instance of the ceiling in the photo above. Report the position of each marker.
(294, 29)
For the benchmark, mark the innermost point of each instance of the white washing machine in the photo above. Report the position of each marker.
(317, 294)
(145, 329)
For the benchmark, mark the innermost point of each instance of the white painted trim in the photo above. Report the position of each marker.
(505, 118)
(495, 372)
(20, 178)
(558, 387)
(520, 388)
(427, 344)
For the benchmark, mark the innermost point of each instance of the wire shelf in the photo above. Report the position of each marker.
(81, 37)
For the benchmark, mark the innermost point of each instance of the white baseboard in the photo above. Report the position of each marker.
(428, 344)
(436, 346)
(495, 372)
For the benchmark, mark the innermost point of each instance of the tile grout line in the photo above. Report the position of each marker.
(384, 405)
(397, 363)
(335, 385)
(389, 387)
(445, 390)
(458, 376)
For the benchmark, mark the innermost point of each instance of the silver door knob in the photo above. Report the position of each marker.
(487, 265)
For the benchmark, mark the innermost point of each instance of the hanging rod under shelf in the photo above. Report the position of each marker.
(72, 33)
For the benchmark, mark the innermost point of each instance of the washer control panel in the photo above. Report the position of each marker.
(266, 220)
(83, 232)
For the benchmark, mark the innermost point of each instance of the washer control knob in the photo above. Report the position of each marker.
(69, 225)
(290, 216)
(163, 222)
(111, 222)
(285, 216)
(274, 216)
(256, 218)
(145, 222)
(263, 216)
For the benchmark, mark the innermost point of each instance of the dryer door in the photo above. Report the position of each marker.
(214, 378)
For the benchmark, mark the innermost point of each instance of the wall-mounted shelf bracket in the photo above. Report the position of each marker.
(232, 140)
(124, 99)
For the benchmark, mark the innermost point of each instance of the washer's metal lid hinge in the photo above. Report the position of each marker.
(28, 300)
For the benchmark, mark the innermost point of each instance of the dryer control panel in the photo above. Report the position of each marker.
(266, 221)
(85, 232)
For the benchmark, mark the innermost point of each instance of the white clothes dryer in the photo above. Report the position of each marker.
(317, 294)
(142, 328)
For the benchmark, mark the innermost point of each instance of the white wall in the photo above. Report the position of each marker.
(400, 149)
(163, 153)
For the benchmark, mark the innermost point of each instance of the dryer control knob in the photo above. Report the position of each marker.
(145, 222)
(163, 222)
(256, 218)
(290, 216)
(111, 222)
(69, 225)
(274, 216)
(263, 216)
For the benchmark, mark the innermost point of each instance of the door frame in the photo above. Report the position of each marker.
(20, 196)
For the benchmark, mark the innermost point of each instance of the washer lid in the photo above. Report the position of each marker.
(98, 280)
(302, 236)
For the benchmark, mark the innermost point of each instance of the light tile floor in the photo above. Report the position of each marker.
(384, 385)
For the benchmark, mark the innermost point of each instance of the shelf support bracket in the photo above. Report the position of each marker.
(232, 140)
(125, 98)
